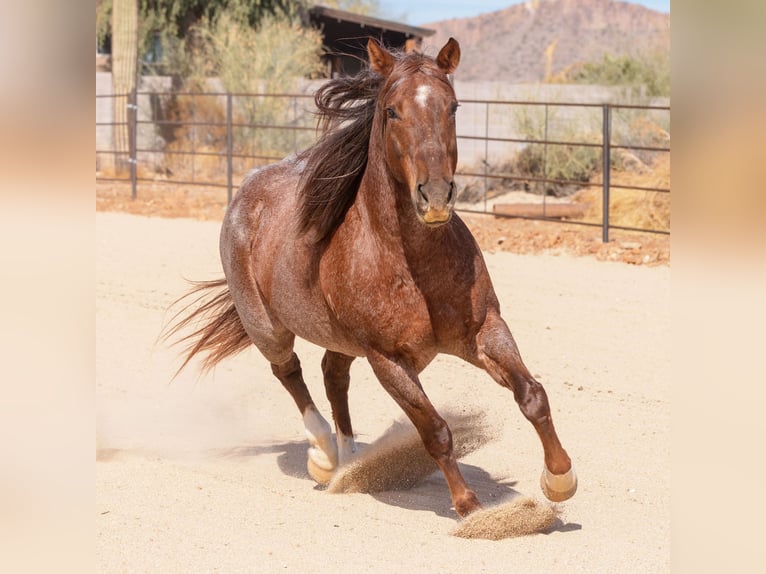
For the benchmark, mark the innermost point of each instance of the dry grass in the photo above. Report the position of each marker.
(520, 517)
(629, 207)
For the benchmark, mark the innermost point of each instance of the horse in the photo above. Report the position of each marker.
(353, 245)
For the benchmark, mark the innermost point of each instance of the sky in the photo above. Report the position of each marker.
(416, 12)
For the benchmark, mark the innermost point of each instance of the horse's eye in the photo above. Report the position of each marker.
(453, 109)
(391, 113)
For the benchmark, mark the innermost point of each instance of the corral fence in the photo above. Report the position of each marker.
(597, 154)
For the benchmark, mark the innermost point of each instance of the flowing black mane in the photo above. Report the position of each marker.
(336, 163)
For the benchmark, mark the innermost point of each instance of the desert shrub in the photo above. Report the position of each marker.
(186, 110)
(268, 58)
(646, 74)
(573, 163)
(578, 164)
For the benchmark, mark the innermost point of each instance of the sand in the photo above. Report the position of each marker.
(207, 473)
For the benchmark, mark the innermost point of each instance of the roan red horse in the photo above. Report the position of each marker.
(353, 245)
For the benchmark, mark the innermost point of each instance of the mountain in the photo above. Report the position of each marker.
(511, 44)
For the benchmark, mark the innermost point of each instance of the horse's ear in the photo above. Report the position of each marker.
(449, 56)
(381, 60)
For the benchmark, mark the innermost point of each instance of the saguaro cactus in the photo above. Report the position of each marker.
(124, 74)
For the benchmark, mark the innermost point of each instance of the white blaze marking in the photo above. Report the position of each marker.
(421, 96)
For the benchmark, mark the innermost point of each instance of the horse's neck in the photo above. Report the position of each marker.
(384, 204)
(385, 209)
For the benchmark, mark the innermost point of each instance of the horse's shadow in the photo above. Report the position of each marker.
(430, 494)
(291, 459)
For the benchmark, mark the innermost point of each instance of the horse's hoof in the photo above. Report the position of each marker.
(558, 487)
(319, 466)
(467, 505)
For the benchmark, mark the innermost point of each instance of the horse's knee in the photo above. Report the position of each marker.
(438, 440)
(533, 401)
(336, 365)
(286, 368)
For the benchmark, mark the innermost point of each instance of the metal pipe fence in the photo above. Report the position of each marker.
(212, 139)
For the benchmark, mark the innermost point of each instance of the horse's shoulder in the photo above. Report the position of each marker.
(273, 176)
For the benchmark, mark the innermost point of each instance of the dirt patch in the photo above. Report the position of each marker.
(207, 472)
(397, 460)
(493, 233)
(520, 517)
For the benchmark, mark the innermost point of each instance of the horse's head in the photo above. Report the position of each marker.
(417, 108)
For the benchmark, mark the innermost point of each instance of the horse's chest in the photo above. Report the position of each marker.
(383, 296)
(378, 303)
(391, 308)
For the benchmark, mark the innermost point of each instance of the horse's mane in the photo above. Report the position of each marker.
(336, 163)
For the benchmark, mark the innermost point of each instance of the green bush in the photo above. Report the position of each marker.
(572, 163)
(269, 58)
(647, 74)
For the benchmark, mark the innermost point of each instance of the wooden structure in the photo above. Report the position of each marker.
(345, 37)
(552, 210)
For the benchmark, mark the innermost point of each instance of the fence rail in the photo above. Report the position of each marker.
(212, 139)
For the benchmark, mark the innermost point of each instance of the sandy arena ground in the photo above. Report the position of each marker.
(207, 474)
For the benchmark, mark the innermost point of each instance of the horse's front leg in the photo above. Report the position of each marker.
(401, 381)
(335, 368)
(498, 354)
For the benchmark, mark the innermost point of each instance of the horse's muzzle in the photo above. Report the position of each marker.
(434, 202)
(436, 217)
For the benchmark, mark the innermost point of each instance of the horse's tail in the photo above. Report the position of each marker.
(220, 334)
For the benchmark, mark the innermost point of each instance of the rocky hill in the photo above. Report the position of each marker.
(524, 42)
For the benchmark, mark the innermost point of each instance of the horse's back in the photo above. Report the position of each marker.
(260, 216)
(270, 266)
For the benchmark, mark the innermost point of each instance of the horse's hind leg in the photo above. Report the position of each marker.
(323, 452)
(275, 343)
(499, 355)
(335, 368)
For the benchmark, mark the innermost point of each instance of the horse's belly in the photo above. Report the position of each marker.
(318, 328)
(304, 312)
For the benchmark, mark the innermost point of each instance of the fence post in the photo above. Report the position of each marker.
(545, 162)
(606, 168)
(133, 140)
(229, 149)
(486, 150)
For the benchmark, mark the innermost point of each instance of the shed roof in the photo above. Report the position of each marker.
(345, 36)
(340, 16)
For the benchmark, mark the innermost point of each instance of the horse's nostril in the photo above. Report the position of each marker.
(451, 191)
(421, 194)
